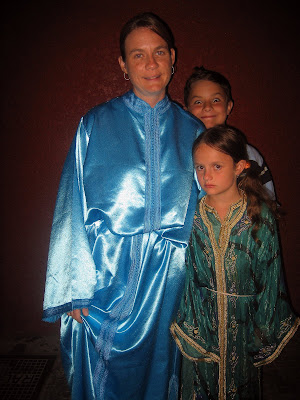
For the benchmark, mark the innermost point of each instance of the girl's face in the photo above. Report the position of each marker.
(208, 102)
(217, 173)
(148, 64)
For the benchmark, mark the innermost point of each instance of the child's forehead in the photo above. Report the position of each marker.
(208, 152)
(202, 87)
(209, 155)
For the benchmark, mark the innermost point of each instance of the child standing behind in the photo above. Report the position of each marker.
(207, 95)
(234, 315)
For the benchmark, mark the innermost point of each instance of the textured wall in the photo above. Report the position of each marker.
(59, 59)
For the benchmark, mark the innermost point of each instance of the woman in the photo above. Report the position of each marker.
(121, 226)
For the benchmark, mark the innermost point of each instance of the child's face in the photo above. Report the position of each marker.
(216, 172)
(208, 102)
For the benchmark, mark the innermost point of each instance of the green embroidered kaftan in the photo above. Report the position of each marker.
(234, 315)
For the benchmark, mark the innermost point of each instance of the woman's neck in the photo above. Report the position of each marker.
(152, 99)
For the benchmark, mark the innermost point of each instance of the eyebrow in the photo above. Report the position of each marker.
(156, 48)
(212, 163)
(214, 94)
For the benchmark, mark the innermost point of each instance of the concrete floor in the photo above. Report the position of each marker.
(281, 379)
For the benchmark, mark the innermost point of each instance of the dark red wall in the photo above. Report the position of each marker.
(59, 58)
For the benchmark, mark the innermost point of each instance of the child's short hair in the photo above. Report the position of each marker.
(203, 74)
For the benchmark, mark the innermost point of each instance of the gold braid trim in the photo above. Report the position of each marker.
(230, 294)
(280, 347)
(219, 250)
(176, 330)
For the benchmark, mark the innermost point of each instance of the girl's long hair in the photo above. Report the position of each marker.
(233, 142)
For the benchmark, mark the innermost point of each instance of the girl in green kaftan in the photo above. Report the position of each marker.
(234, 315)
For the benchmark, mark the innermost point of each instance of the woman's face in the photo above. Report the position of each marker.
(148, 64)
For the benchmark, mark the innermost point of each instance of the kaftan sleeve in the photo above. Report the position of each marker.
(71, 272)
(274, 322)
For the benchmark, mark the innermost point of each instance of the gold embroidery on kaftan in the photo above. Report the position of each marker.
(219, 250)
(234, 315)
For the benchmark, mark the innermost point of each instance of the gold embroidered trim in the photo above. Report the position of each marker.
(219, 250)
(280, 347)
(176, 330)
(230, 294)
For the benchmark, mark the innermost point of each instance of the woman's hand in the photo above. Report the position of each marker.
(75, 314)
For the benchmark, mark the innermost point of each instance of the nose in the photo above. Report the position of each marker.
(207, 106)
(151, 62)
(207, 176)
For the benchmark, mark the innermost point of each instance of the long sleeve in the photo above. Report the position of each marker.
(274, 321)
(71, 274)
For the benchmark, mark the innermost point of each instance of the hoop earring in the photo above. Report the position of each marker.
(126, 79)
(173, 70)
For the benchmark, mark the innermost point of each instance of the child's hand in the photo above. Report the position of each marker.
(75, 314)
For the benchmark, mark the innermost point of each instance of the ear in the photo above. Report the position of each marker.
(122, 64)
(172, 51)
(229, 107)
(239, 167)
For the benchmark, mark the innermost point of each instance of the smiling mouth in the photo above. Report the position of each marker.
(150, 78)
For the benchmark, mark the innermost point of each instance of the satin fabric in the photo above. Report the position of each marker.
(121, 226)
(235, 314)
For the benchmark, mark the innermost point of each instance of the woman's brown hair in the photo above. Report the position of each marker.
(150, 21)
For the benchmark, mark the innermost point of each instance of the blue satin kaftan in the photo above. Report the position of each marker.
(122, 223)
